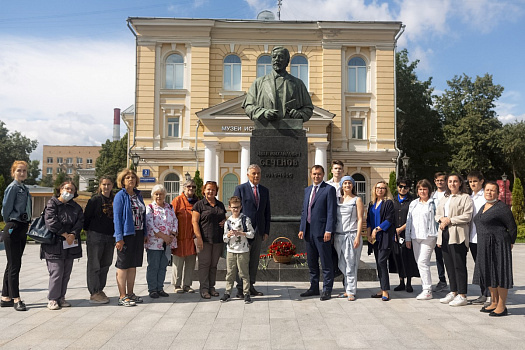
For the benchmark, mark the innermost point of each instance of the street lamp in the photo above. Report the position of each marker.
(405, 160)
(188, 176)
(504, 177)
(135, 159)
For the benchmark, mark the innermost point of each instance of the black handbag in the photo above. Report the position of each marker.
(39, 232)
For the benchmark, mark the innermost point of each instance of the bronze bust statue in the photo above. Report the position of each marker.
(278, 100)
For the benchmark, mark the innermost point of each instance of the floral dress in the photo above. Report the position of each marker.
(160, 219)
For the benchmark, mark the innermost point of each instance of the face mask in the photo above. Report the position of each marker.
(67, 196)
(492, 201)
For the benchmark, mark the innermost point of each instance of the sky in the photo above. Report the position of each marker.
(64, 65)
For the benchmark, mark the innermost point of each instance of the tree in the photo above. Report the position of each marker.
(3, 186)
(517, 201)
(60, 178)
(418, 121)
(512, 143)
(13, 146)
(392, 182)
(33, 172)
(471, 127)
(113, 158)
(47, 181)
(198, 182)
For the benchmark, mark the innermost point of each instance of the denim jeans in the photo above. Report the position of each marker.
(156, 272)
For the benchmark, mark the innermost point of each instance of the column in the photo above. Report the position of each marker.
(210, 161)
(320, 155)
(245, 159)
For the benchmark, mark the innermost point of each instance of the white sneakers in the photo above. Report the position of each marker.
(53, 305)
(453, 300)
(424, 295)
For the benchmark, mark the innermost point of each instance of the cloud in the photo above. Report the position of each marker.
(507, 107)
(63, 92)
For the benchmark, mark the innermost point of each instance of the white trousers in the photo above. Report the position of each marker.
(423, 249)
(348, 259)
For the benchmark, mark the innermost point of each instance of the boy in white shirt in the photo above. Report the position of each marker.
(237, 229)
(440, 179)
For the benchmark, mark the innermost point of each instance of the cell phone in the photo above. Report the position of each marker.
(401, 240)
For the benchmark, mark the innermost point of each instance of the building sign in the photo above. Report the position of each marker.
(238, 128)
(147, 179)
(145, 172)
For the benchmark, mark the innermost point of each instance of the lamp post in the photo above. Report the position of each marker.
(188, 176)
(405, 160)
(135, 159)
(504, 177)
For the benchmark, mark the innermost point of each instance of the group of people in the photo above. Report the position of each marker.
(402, 233)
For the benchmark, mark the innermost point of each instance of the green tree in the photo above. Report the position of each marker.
(3, 186)
(59, 179)
(517, 201)
(471, 127)
(33, 172)
(198, 183)
(13, 146)
(512, 143)
(112, 159)
(47, 181)
(392, 182)
(417, 121)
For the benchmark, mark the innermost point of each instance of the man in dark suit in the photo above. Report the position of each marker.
(256, 205)
(318, 220)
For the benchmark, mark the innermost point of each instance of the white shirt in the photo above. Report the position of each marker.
(331, 182)
(421, 223)
(479, 201)
(437, 196)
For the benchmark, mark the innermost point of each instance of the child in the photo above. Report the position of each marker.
(237, 229)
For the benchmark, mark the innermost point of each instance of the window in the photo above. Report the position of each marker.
(360, 184)
(264, 65)
(79, 160)
(174, 71)
(229, 182)
(49, 171)
(89, 161)
(69, 171)
(49, 160)
(232, 73)
(172, 185)
(173, 127)
(60, 160)
(59, 170)
(358, 129)
(69, 160)
(356, 75)
(299, 68)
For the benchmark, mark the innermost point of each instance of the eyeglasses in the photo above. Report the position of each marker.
(191, 187)
(403, 187)
(381, 188)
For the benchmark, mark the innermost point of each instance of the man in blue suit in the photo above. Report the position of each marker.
(255, 200)
(318, 220)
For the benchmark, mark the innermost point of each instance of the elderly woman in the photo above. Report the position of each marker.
(380, 232)
(454, 214)
(64, 217)
(208, 218)
(347, 241)
(162, 237)
(421, 234)
(497, 233)
(98, 223)
(403, 255)
(129, 218)
(185, 254)
(16, 211)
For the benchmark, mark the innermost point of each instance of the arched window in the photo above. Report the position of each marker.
(232, 73)
(172, 185)
(299, 68)
(174, 72)
(360, 186)
(356, 75)
(228, 187)
(264, 65)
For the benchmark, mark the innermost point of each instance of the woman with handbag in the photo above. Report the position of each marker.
(64, 217)
(16, 211)
(98, 223)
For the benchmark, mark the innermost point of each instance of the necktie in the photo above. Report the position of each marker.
(314, 191)
(256, 196)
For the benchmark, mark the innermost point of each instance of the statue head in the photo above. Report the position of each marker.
(280, 58)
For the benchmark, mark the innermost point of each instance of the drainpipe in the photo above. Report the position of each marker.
(399, 152)
(136, 88)
(197, 143)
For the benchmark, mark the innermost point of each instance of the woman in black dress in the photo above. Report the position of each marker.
(497, 233)
(404, 257)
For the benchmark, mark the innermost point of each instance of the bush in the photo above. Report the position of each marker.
(521, 234)
(517, 201)
(392, 183)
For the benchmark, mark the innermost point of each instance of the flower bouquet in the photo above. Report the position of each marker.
(282, 251)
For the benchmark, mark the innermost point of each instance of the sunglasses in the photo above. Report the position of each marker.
(403, 187)
(191, 187)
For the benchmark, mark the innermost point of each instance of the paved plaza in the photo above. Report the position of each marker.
(278, 320)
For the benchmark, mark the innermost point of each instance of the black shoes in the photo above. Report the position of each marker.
(495, 314)
(400, 287)
(239, 294)
(225, 298)
(154, 295)
(326, 296)
(163, 293)
(9, 303)
(409, 288)
(309, 293)
(255, 293)
(247, 299)
(20, 306)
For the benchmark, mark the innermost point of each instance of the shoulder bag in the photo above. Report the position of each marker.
(39, 232)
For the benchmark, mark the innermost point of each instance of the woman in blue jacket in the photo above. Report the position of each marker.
(129, 217)
(16, 211)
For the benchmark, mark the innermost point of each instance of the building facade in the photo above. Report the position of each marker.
(192, 75)
(68, 159)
